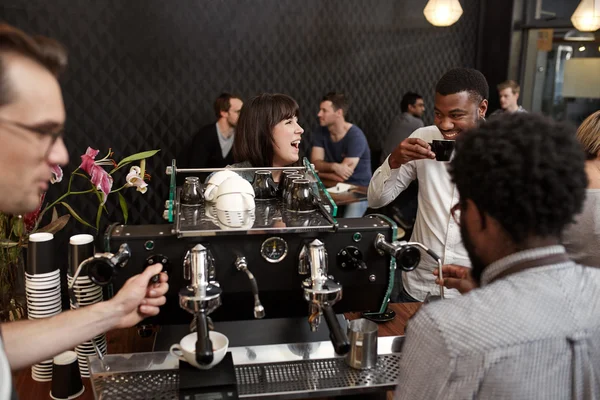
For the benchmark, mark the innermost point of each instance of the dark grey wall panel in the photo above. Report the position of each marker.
(143, 73)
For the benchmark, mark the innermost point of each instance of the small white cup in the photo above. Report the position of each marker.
(186, 349)
(212, 186)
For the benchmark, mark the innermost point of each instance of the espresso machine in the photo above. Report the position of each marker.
(276, 287)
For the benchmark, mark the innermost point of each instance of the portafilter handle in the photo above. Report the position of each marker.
(338, 337)
(204, 349)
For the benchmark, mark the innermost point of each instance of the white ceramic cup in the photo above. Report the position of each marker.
(186, 349)
(215, 180)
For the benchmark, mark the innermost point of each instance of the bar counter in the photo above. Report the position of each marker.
(128, 341)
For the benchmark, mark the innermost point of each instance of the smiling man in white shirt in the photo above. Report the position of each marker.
(461, 101)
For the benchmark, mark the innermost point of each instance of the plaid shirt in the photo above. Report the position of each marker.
(534, 334)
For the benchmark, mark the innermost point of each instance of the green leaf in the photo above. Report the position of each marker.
(56, 224)
(54, 214)
(18, 227)
(7, 243)
(123, 204)
(137, 156)
(75, 215)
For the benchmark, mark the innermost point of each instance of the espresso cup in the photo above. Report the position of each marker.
(287, 184)
(213, 182)
(185, 350)
(264, 186)
(282, 180)
(191, 195)
(299, 197)
(443, 149)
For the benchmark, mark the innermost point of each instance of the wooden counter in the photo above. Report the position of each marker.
(128, 341)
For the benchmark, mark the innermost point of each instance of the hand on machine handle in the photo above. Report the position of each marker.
(204, 350)
(338, 337)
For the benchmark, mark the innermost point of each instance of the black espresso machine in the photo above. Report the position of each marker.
(271, 276)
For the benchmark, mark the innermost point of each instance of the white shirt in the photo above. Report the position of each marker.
(5, 374)
(434, 226)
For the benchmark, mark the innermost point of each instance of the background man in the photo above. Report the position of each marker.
(409, 120)
(460, 103)
(509, 95)
(32, 117)
(211, 147)
(532, 329)
(340, 149)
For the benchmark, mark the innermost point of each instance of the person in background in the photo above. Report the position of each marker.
(460, 104)
(268, 134)
(340, 149)
(211, 146)
(32, 118)
(531, 330)
(409, 120)
(581, 238)
(509, 95)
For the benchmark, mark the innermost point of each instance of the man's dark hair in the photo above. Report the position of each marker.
(338, 100)
(524, 170)
(464, 80)
(48, 52)
(223, 102)
(409, 99)
(253, 140)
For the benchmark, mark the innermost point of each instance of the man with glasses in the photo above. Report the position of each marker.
(460, 104)
(532, 328)
(32, 116)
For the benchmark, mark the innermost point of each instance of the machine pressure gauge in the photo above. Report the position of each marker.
(274, 249)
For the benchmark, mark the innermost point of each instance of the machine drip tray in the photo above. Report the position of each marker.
(253, 332)
(156, 376)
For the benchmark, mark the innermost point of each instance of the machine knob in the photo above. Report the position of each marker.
(158, 258)
(351, 257)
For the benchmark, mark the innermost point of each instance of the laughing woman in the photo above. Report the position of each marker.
(267, 134)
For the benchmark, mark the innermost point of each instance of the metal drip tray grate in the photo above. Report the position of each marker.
(296, 379)
(320, 376)
(157, 385)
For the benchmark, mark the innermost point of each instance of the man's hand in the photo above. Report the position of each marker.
(342, 170)
(137, 299)
(456, 277)
(410, 149)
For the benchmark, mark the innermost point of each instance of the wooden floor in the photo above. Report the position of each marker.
(128, 341)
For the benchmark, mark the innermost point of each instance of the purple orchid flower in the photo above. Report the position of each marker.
(99, 177)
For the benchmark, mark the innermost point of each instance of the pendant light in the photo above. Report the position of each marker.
(586, 17)
(443, 12)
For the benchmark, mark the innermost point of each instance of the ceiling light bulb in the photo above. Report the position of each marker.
(586, 17)
(443, 12)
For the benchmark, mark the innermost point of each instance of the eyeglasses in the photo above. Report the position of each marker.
(455, 212)
(40, 133)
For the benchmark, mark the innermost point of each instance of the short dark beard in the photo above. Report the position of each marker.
(477, 265)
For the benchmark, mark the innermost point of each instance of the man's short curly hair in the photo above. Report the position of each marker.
(464, 80)
(524, 170)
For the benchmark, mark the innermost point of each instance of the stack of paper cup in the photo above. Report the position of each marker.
(81, 247)
(42, 290)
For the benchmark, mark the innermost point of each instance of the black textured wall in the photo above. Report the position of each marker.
(143, 73)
